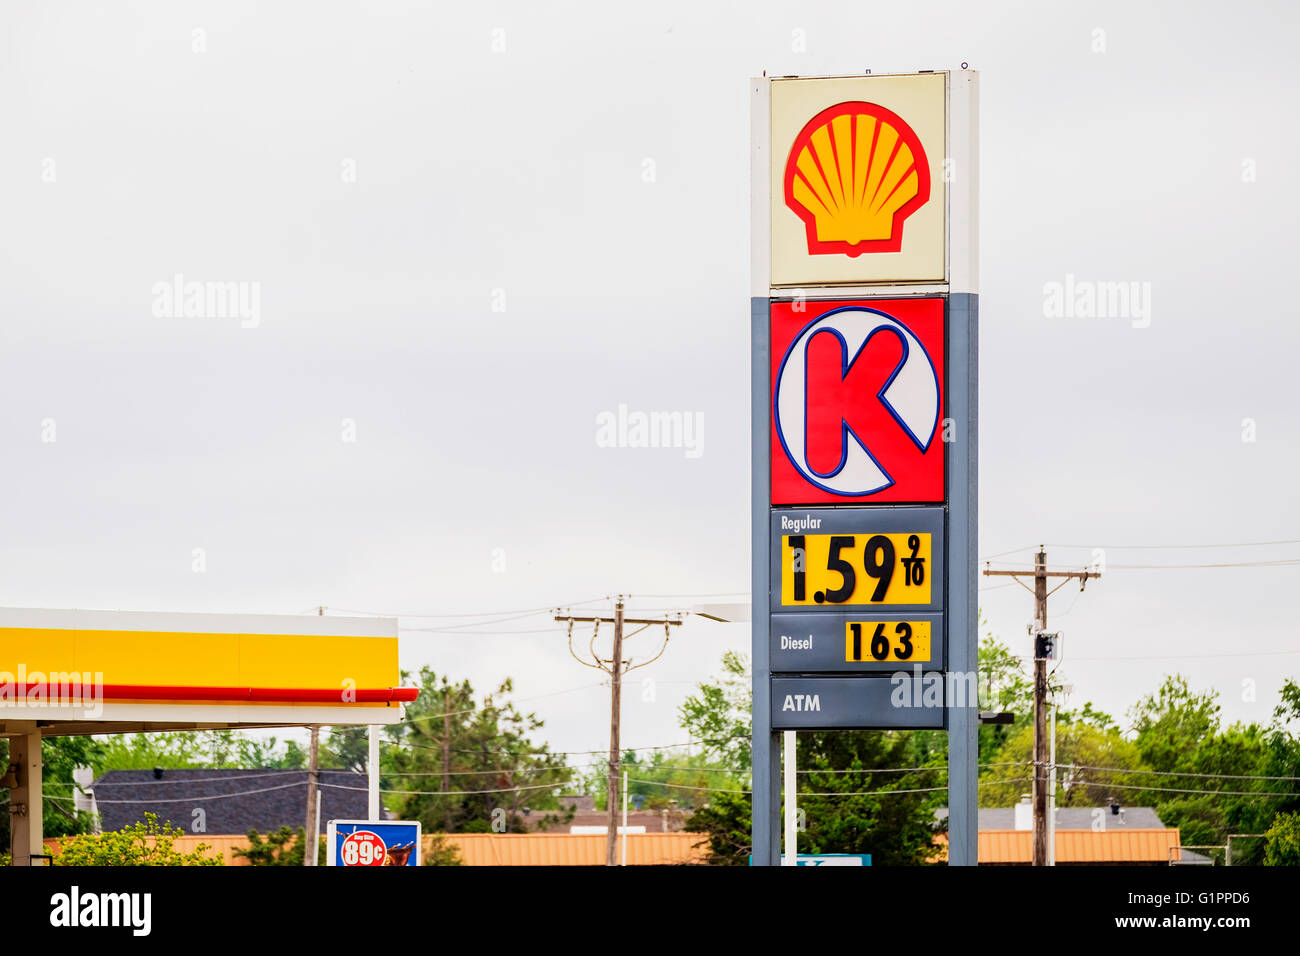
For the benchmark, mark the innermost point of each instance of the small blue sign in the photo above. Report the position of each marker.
(827, 859)
(833, 859)
(373, 843)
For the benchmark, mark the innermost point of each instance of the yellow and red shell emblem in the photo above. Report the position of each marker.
(855, 173)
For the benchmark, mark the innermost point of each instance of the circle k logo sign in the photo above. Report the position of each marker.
(857, 401)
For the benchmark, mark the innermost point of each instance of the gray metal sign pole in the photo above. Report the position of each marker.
(766, 822)
(963, 629)
(963, 461)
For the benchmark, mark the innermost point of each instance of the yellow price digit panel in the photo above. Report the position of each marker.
(887, 641)
(839, 569)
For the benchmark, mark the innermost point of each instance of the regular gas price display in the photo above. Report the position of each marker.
(855, 569)
(860, 557)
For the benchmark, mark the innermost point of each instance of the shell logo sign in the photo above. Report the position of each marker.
(856, 172)
(861, 163)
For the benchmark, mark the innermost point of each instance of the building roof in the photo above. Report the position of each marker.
(1071, 818)
(1078, 818)
(232, 801)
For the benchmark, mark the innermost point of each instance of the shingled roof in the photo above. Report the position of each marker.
(1078, 818)
(233, 801)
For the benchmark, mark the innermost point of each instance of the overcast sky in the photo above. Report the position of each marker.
(475, 228)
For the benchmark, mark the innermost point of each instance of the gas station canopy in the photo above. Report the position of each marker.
(76, 671)
(66, 672)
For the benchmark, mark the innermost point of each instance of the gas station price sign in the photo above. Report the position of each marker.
(857, 590)
(902, 642)
(855, 569)
(847, 557)
(864, 319)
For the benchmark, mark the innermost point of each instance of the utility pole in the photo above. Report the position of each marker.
(1043, 649)
(309, 857)
(615, 755)
(446, 750)
(1051, 795)
(313, 758)
(615, 667)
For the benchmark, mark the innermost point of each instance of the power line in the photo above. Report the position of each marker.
(1175, 773)
(1179, 657)
(454, 793)
(441, 614)
(474, 710)
(569, 753)
(213, 796)
(460, 628)
(529, 611)
(1174, 547)
(700, 594)
(805, 793)
(1014, 763)
(360, 776)
(1212, 793)
(1278, 563)
(1273, 563)
(440, 631)
(1003, 554)
(550, 769)
(188, 780)
(1150, 547)
(486, 773)
(741, 773)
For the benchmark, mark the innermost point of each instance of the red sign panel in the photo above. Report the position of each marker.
(363, 848)
(858, 401)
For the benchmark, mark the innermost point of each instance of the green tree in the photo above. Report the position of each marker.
(169, 750)
(1283, 845)
(440, 851)
(346, 748)
(718, 716)
(1004, 688)
(1171, 720)
(139, 844)
(1213, 780)
(1081, 748)
(496, 774)
(853, 796)
(59, 756)
(725, 822)
(286, 846)
(860, 796)
(196, 749)
(673, 783)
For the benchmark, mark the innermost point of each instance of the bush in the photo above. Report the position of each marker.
(283, 847)
(140, 844)
(442, 852)
(1283, 845)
